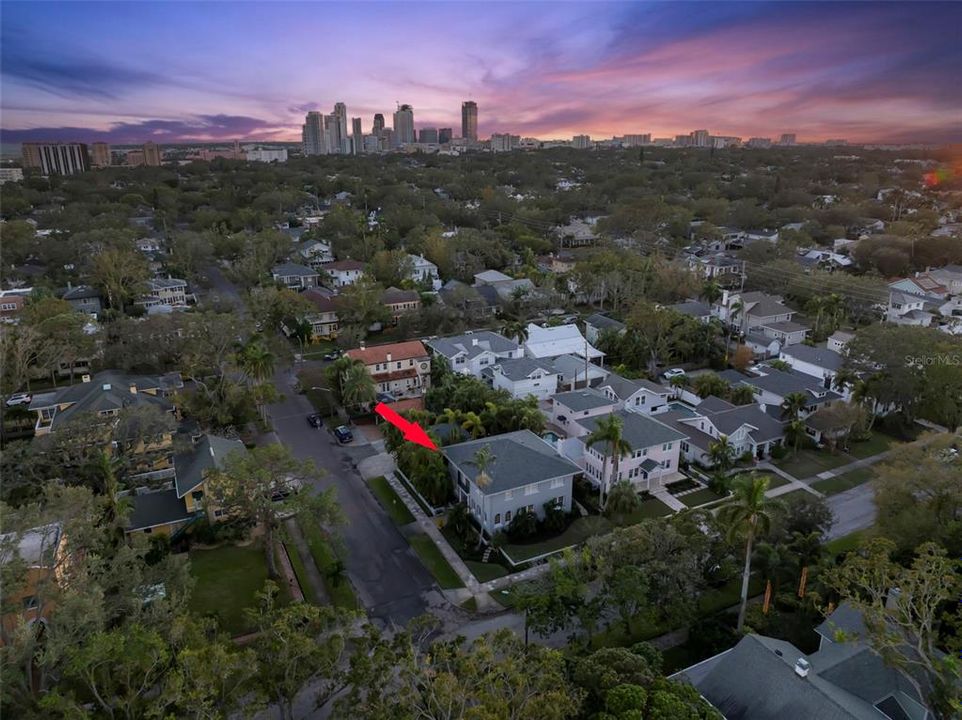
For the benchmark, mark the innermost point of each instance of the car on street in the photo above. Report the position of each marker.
(19, 399)
(343, 434)
(314, 420)
(333, 355)
(673, 373)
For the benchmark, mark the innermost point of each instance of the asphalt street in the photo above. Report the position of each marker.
(390, 580)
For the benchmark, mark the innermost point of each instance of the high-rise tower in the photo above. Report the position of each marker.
(378, 124)
(469, 120)
(404, 125)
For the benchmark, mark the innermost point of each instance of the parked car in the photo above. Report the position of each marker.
(19, 399)
(673, 373)
(334, 355)
(343, 434)
(314, 420)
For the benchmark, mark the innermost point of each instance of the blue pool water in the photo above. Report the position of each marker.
(680, 407)
(550, 437)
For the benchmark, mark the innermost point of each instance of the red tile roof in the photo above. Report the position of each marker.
(397, 351)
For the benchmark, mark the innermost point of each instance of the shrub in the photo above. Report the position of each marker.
(554, 517)
(523, 525)
(779, 452)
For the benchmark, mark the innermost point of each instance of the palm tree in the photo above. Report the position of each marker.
(482, 460)
(472, 425)
(734, 309)
(748, 515)
(795, 431)
(257, 362)
(450, 416)
(844, 378)
(808, 550)
(357, 386)
(623, 500)
(516, 330)
(816, 306)
(743, 395)
(608, 431)
(793, 405)
(722, 453)
(711, 292)
(335, 375)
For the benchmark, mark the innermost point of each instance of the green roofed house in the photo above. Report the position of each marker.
(501, 475)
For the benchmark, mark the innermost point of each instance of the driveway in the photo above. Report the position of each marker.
(390, 580)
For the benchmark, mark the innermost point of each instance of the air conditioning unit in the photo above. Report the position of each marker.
(802, 667)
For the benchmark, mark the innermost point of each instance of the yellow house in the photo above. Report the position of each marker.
(43, 552)
(171, 509)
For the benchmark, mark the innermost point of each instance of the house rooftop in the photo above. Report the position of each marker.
(624, 388)
(561, 340)
(323, 301)
(293, 270)
(472, 344)
(393, 296)
(36, 547)
(692, 308)
(640, 431)
(208, 453)
(603, 322)
(81, 292)
(585, 399)
(521, 368)
(517, 459)
(397, 351)
(343, 265)
(153, 509)
(819, 356)
(490, 276)
(786, 326)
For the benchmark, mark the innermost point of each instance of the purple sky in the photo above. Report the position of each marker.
(129, 72)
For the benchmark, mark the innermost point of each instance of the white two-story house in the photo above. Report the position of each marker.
(472, 352)
(343, 272)
(569, 409)
(294, 276)
(651, 462)
(642, 396)
(500, 476)
(522, 377)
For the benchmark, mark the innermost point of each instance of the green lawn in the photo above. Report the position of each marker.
(299, 572)
(485, 571)
(325, 558)
(228, 579)
(877, 443)
(434, 561)
(390, 501)
(651, 507)
(699, 497)
(576, 533)
(846, 544)
(841, 483)
(811, 462)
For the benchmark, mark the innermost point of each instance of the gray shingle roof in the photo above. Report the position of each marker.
(640, 431)
(472, 344)
(585, 399)
(81, 292)
(781, 383)
(820, 356)
(293, 270)
(603, 322)
(625, 388)
(518, 459)
(692, 308)
(728, 421)
(786, 326)
(157, 508)
(712, 404)
(521, 368)
(207, 454)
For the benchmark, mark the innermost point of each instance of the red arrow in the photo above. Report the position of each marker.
(412, 431)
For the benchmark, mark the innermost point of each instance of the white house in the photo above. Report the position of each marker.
(472, 352)
(552, 342)
(423, 270)
(569, 408)
(818, 362)
(344, 272)
(651, 463)
(164, 293)
(523, 377)
(315, 252)
(642, 396)
(772, 386)
(572, 371)
(523, 473)
(839, 340)
(907, 309)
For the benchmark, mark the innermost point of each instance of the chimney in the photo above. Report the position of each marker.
(474, 342)
(85, 378)
(802, 667)
(389, 357)
(892, 599)
(763, 406)
(106, 386)
(133, 388)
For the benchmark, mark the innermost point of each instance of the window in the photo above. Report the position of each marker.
(497, 518)
(507, 516)
(560, 500)
(531, 489)
(197, 495)
(530, 508)
(399, 366)
(557, 483)
(148, 531)
(666, 446)
(585, 412)
(30, 602)
(507, 495)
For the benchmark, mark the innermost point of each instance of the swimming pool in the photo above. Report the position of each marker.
(550, 437)
(682, 408)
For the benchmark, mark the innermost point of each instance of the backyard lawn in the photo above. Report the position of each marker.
(811, 462)
(699, 497)
(389, 500)
(841, 483)
(228, 580)
(651, 507)
(576, 533)
(434, 561)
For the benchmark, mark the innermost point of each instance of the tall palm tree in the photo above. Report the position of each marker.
(257, 362)
(807, 550)
(357, 386)
(747, 516)
(482, 460)
(711, 292)
(517, 330)
(721, 452)
(816, 306)
(608, 431)
(793, 405)
(450, 416)
(471, 424)
(795, 431)
(734, 309)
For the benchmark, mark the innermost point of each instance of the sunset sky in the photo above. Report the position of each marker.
(129, 72)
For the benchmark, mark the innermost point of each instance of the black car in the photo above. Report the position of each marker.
(314, 420)
(343, 434)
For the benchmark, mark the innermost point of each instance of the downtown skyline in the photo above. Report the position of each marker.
(212, 72)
